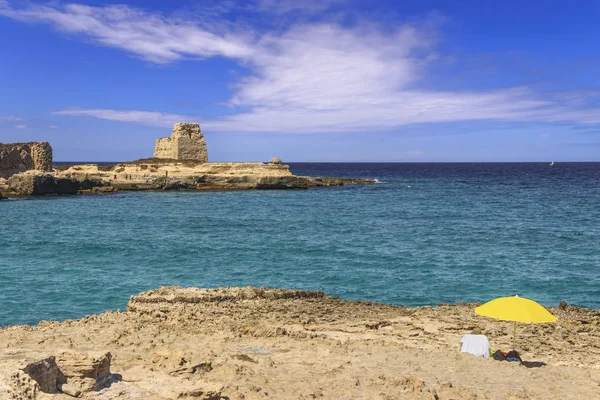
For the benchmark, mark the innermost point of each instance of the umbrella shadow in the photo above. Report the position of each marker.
(533, 364)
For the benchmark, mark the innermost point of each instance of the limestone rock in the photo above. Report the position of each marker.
(28, 184)
(70, 373)
(32, 183)
(84, 373)
(186, 143)
(275, 160)
(39, 376)
(327, 181)
(282, 182)
(19, 157)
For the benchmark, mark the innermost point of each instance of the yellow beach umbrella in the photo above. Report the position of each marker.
(517, 309)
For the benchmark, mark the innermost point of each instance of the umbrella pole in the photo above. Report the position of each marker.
(515, 335)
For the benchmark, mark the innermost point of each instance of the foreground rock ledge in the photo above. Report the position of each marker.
(158, 174)
(255, 343)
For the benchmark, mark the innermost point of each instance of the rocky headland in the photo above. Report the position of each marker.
(180, 162)
(256, 343)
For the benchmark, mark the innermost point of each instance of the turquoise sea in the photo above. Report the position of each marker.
(426, 234)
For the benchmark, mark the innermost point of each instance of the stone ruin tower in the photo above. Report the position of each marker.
(186, 143)
(19, 157)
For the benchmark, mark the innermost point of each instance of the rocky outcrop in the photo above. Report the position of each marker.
(85, 373)
(71, 373)
(34, 183)
(186, 143)
(28, 184)
(328, 181)
(38, 376)
(237, 182)
(19, 157)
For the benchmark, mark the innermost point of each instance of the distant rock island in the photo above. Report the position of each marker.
(180, 162)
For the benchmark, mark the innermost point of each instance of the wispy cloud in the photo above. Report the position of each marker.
(311, 77)
(286, 6)
(9, 117)
(21, 126)
(150, 36)
(143, 117)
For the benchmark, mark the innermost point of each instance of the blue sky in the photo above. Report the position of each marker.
(312, 80)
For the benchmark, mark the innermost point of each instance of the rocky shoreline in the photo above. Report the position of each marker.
(157, 174)
(256, 343)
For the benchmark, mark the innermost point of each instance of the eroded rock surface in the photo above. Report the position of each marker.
(19, 157)
(36, 183)
(156, 174)
(42, 376)
(256, 343)
(71, 373)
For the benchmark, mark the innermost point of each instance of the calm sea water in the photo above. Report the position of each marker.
(427, 233)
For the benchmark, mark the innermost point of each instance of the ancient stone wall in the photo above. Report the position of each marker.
(19, 157)
(186, 143)
(164, 148)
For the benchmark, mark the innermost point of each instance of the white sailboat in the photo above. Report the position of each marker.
(552, 164)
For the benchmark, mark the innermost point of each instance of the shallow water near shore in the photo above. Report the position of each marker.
(426, 234)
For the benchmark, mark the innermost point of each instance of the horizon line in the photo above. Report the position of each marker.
(359, 162)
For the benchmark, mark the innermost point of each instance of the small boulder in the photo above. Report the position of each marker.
(69, 373)
(85, 373)
(38, 376)
(275, 160)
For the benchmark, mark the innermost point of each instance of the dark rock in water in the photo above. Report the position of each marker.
(2, 197)
(29, 184)
(41, 184)
(282, 182)
(102, 189)
(563, 305)
(218, 182)
(327, 181)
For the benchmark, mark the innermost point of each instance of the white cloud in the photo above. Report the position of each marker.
(150, 36)
(144, 117)
(53, 126)
(9, 117)
(310, 77)
(21, 126)
(286, 6)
